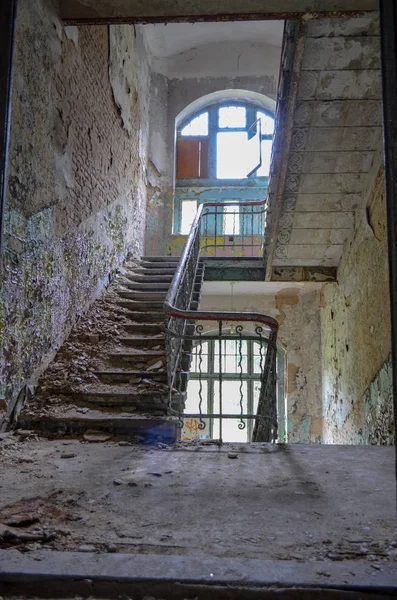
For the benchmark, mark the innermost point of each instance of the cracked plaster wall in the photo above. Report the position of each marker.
(356, 335)
(297, 309)
(76, 182)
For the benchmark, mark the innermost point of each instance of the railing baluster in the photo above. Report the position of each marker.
(199, 330)
(239, 330)
(220, 382)
(216, 232)
(252, 231)
(206, 227)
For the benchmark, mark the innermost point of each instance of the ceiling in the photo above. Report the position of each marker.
(167, 40)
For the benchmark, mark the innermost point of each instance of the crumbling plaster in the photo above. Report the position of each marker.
(76, 183)
(356, 335)
(297, 308)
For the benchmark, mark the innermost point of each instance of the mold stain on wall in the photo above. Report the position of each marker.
(76, 184)
(356, 336)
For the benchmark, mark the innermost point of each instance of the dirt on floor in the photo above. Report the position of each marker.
(241, 500)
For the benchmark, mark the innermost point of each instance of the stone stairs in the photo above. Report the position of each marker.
(109, 378)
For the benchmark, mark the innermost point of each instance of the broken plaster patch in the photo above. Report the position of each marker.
(72, 33)
(122, 71)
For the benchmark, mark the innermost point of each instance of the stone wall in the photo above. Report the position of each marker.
(76, 182)
(356, 336)
(297, 309)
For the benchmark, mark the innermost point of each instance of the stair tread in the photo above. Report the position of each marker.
(138, 352)
(148, 338)
(121, 389)
(73, 414)
(131, 372)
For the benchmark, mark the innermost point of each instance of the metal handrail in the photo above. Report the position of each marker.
(204, 315)
(179, 318)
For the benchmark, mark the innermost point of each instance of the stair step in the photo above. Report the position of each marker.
(145, 272)
(130, 400)
(151, 429)
(124, 376)
(161, 258)
(143, 317)
(142, 307)
(141, 286)
(142, 296)
(140, 357)
(150, 278)
(145, 328)
(142, 278)
(142, 341)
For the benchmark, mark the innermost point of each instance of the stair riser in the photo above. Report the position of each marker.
(146, 287)
(161, 259)
(143, 296)
(125, 378)
(145, 328)
(148, 273)
(134, 403)
(145, 343)
(151, 278)
(153, 318)
(153, 430)
(122, 360)
(142, 307)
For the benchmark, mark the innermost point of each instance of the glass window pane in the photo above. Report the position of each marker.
(189, 209)
(231, 356)
(193, 396)
(232, 116)
(267, 123)
(230, 405)
(197, 126)
(257, 389)
(200, 358)
(232, 155)
(231, 220)
(263, 171)
(258, 360)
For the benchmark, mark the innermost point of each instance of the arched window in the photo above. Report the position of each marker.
(223, 152)
(228, 141)
(241, 372)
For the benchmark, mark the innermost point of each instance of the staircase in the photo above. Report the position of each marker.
(110, 377)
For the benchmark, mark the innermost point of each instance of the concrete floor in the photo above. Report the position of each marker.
(271, 502)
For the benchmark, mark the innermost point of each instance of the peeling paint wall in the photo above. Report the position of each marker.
(356, 335)
(160, 180)
(297, 309)
(76, 183)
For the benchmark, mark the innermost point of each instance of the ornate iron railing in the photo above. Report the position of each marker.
(184, 331)
(232, 229)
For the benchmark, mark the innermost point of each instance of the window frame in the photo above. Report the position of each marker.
(213, 130)
(250, 377)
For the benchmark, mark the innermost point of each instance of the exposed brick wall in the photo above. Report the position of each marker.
(76, 183)
(103, 154)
